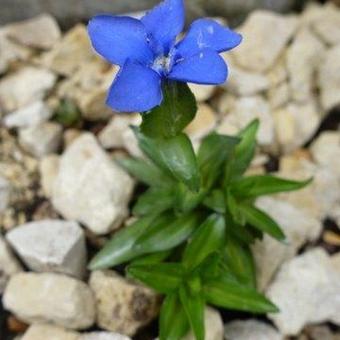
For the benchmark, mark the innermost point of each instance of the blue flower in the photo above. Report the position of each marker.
(147, 53)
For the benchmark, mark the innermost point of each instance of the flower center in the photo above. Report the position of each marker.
(162, 64)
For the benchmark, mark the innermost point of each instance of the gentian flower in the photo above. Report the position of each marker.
(148, 54)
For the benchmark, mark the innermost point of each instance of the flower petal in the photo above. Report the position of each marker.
(165, 22)
(136, 89)
(206, 67)
(119, 38)
(207, 33)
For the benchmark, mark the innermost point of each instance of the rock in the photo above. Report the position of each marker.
(298, 227)
(103, 336)
(303, 57)
(203, 123)
(50, 297)
(295, 125)
(306, 290)
(260, 50)
(39, 32)
(213, 326)
(202, 92)
(329, 78)
(278, 73)
(279, 96)
(122, 305)
(27, 85)
(246, 109)
(327, 25)
(320, 332)
(225, 103)
(73, 50)
(242, 82)
(5, 191)
(46, 332)
(112, 136)
(41, 140)
(10, 51)
(31, 115)
(251, 329)
(326, 151)
(8, 264)
(48, 168)
(90, 187)
(131, 144)
(70, 135)
(50, 246)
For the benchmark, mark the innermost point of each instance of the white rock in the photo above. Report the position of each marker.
(90, 187)
(27, 85)
(326, 151)
(306, 290)
(279, 96)
(202, 92)
(39, 32)
(5, 191)
(295, 124)
(49, 332)
(242, 82)
(329, 78)
(50, 297)
(10, 51)
(50, 246)
(203, 123)
(31, 115)
(246, 109)
(112, 135)
(131, 144)
(41, 140)
(303, 57)
(213, 326)
(48, 168)
(259, 49)
(278, 72)
(122, 305)
(250, 330)
(298, 227)
(8, 264)
(70, 53)
(103, 336)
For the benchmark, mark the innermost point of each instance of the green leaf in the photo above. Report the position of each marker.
(187, 200)
(194, 310)
(254, 186)
(153, 258)
(208, 238)
(244, 152)
(174, 155)
(228, 294)
(173, 322)
(145, 172)
(164, 277)
(260, 220)
(240, 260)
(176, 111)
(67, 113)
(120, 248)
(215, 149)
(168, 235)
(234, 209)
(216, 201)
(154, 201)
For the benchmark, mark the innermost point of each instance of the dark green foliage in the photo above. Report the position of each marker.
(196, 223)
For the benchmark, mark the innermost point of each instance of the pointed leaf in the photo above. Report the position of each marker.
(208, 238)
(120, 248)
(187, 200)
(154, 201)
(145, 172)
(260, 220)
(177, 110)
(153, 258)
(215, 149)
(254, 186)
(194, 309)
(164, 277)
(173, 322)
(169, 235)
(228, 294)
(216, 201)
(234, 209)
